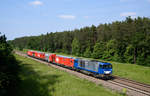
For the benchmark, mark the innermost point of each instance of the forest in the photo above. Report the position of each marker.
(125, 41)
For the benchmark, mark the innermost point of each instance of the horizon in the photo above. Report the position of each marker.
(72, 29)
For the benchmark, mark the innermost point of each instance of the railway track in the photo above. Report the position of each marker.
(130, 84)
(133, 88)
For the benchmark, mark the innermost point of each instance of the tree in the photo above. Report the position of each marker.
(75, 47)
(129, 58)
(87, 52)
(110, 51)
(9, 69)
(98, 51)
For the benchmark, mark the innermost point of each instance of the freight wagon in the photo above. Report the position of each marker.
(64, 61)
(40, 55)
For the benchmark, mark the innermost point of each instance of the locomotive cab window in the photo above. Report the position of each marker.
(100, 66)
(106, 66)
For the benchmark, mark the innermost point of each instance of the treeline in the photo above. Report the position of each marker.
(123, 41)
(9, 69)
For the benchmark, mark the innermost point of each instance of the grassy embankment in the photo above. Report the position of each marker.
(130, 71)
(40, 80)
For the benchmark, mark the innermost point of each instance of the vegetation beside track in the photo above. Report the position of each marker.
(40, 80)
(9, 69)
(132, 71)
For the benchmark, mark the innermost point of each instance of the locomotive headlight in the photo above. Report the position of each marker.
(107, 72)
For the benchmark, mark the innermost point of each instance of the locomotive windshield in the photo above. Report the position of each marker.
(106, 66)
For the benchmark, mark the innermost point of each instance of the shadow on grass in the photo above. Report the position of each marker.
(36, 83)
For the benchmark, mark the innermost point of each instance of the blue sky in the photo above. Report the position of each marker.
(34, 17)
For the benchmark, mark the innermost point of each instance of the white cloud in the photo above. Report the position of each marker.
(125, 14)
(36, 3)
(67, 16)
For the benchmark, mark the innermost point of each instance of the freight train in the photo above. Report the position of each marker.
(91, 67)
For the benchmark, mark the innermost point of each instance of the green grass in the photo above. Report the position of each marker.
(131, 71)
(38, 79)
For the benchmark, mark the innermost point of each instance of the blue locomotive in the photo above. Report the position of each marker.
(96, 68)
